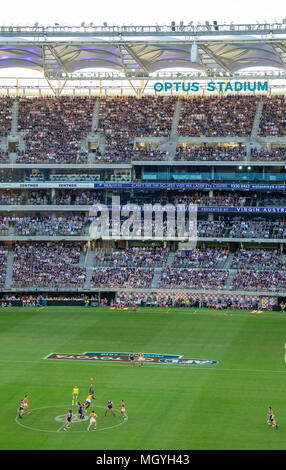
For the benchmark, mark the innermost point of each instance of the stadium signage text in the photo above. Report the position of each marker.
(243, 86)
(171, 208)
(124, 357)
(260, 186)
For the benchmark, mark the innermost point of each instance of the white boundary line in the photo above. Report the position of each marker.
(157, 366)
(59, 430)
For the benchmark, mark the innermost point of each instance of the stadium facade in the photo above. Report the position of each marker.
(74, 138)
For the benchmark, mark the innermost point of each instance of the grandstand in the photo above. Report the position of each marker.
(66, 146)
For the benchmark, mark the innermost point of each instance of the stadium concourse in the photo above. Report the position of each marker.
(60, 156)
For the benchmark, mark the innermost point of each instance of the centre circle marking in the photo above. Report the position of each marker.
(61, 419)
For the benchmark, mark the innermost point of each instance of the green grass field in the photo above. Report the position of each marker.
(169, 407)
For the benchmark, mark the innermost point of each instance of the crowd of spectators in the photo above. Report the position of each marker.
(54, 128)
(194, 299)
(3, 264)
(88, 197)
(250, 229)
(266, 280)
(77, 198)
(219, 198)
(275, 154)
(272, 200)
(212, 228)
(125, 153)
(135, 278)
(79, 224)
(238, 227)
(147, 155)
(75, 224)
(193, 278)
(217, 116)
(38, 198)
(219, 153)
(4, 156)
(4, 225)
(6, 104)
(200, 258)
(43, 197)
(132, 257)
(257, 258)
(52, 264)
(122, 119)
(9, 197)
(257, 228)
(273, 118)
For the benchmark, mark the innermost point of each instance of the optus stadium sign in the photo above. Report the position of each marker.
(124, 357)
(217, 86)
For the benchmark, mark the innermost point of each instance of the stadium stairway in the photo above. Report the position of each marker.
(254, 139)
(170, 259)
(156, 277)
(228, 262)
(95, 117)
(3, 144)
(9, 270)
(229, 279)
(87, 261)
(176, 118)
(89, 272)
(168, 144)
(256, 121)
(172, 144)
(15, 116)
(14, 135)
(95, 136)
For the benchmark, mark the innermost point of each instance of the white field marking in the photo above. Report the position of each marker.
(158, 366)
(63, 425)
(61, 406)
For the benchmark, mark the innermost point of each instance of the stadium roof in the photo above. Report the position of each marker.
(132, 57)
(138, 51)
